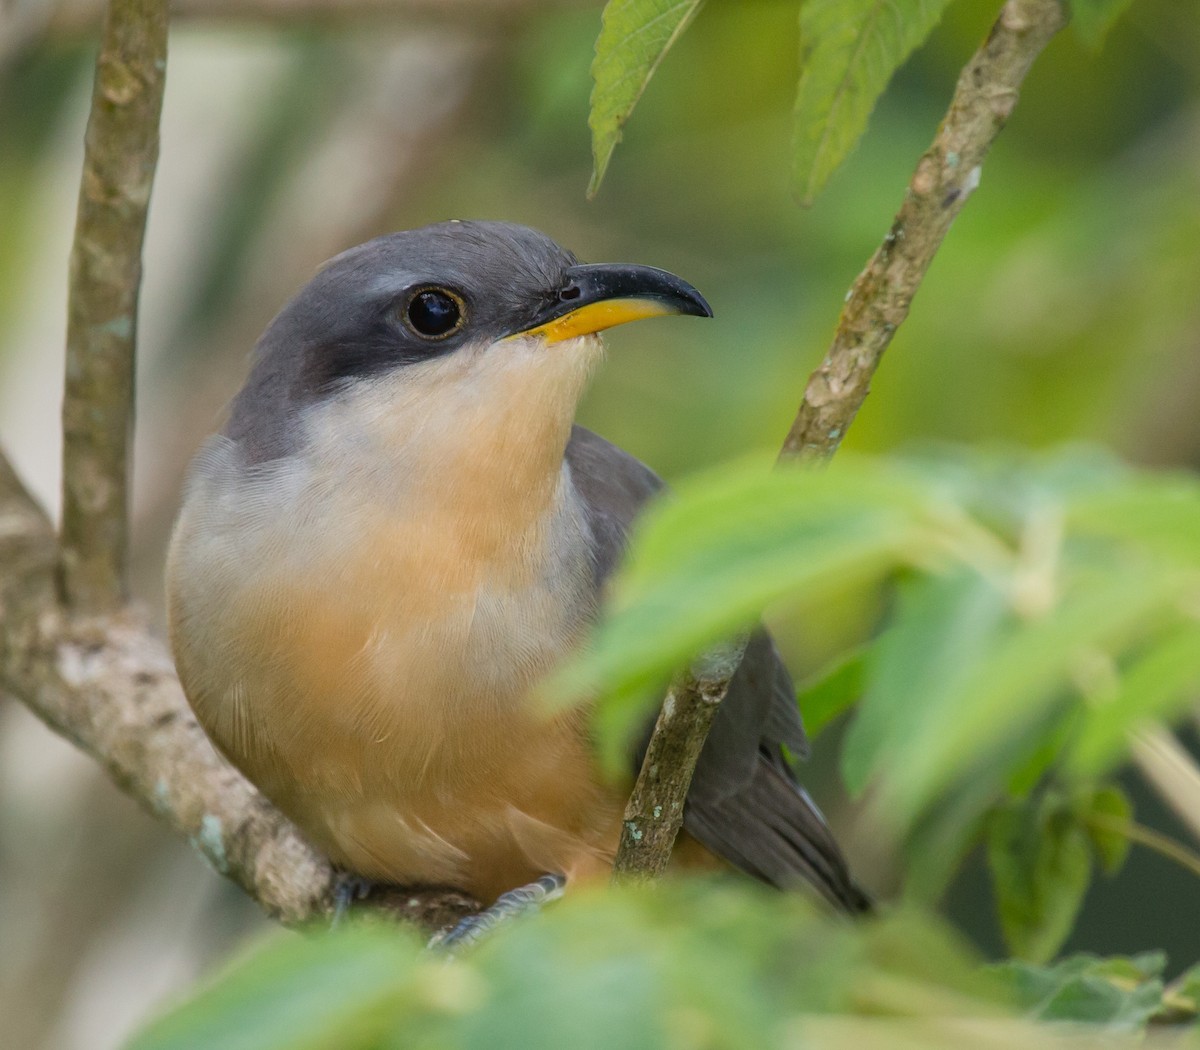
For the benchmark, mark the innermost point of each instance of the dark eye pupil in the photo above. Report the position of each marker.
(433, 313)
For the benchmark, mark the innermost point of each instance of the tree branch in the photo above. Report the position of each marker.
(90, 668)
(946, 176)
(878, 303)
(120, 154)
(108, 685)
(654, 812)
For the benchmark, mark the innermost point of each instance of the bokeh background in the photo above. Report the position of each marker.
(1064, 307)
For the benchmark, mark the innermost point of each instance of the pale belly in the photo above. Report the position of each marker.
(383, 703)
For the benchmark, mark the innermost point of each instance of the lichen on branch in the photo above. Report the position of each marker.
(654, 812)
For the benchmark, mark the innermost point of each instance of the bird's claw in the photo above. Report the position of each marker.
(347, 889)
(521, 901)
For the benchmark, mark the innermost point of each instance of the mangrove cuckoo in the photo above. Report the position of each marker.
(400, 532)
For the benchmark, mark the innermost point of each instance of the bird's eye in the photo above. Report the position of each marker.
(434, 313)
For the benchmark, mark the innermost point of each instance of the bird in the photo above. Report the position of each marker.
(400, 533)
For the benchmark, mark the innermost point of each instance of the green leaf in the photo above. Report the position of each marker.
(1110, 804)
(939, 843)
(1017, 678)
(1041, 866)
(833, 689)
(635, 35)
(945, 833)
(701, 963)
(850, 49)
(1047, 742)
(942, 627)
(1182, 998)
(1159, 513)
(331, 992)
(1158, 684)
(707, 562)
(1120, 993)
(1092, 19)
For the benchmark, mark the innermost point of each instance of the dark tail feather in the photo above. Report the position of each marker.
(772, 830)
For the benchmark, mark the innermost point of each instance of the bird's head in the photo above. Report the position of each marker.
(459, 325)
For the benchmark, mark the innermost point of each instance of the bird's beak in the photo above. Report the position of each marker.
(596, 297)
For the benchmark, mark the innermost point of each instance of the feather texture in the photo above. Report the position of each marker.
(744, 803)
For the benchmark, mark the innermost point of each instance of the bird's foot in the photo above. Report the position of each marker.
(521, 901)
(347, 889)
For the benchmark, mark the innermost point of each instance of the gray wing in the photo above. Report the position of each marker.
(744, 803)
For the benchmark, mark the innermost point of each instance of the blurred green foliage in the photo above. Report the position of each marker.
(1094, 18)
(1045, 610)
(850, 49)
(1122, 993)
(693, 964)
(1041, 851)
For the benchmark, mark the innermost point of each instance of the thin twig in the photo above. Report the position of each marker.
(1161, 844)
(1172, 772)
(878, 303)
(945, 177)
(120, 154)
(654, 812)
